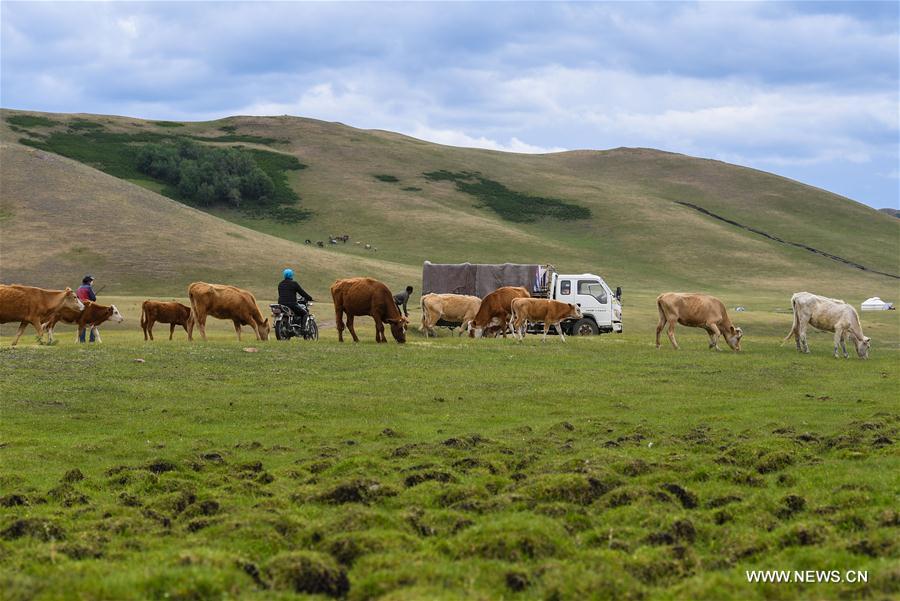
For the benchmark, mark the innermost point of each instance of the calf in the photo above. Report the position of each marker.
(172, 313)
(367, 296)
(828, 315)
(29, 305)
(541, 310)
(452, 308)
(696, 311)
(92, 315)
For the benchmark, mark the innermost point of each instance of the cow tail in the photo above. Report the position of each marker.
(422, 306)
(144, 316)
(794, 324)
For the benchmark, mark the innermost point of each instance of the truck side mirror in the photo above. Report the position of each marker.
(618, 293)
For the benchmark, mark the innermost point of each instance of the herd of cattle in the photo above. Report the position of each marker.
(507, 309)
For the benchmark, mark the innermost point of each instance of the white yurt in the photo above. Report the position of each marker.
(876, 304)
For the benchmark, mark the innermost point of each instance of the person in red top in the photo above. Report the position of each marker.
(84, 293)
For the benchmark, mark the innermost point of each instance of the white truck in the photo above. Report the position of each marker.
(601, 308)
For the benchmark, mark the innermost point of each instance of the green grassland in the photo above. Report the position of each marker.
(447, 468)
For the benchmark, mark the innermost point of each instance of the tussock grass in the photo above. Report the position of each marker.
(598, 468)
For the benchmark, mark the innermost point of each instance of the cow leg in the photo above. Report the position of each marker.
(713, 331)
(659, 327)
(95, 331)
(21, 329)
(559, 330)
(379, 330)
(351, 329)
(838, 334)
(237, 328)
(546, 329)
(339, 322)
(801, 337)
(844, 344)
(670, 332)
(172, 330)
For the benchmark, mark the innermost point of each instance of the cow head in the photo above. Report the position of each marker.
(733, 337)
(70, 301)
(264, 329)
(398, 328)
(575, 311)
(862, 346)
(114, 314)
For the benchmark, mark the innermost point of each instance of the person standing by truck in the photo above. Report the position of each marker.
(402, 300)
(85, 293)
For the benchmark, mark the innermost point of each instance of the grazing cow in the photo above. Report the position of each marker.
(696, 311)
(548, 312)
(828, 315)
(452, 308)
(91, 316)
(367, 296)
(320, 244)
(172, 313)
(495, 310)
(28, 305)
(225, 302)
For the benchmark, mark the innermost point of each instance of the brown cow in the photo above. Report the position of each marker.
(172, 313)
(225, 302)
(367, 296)
(452, 308)
(28, 305)
(92, 315)
(541, 310)
(697, 311)
(495, 310)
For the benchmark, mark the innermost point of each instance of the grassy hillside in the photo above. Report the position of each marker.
(639, 232)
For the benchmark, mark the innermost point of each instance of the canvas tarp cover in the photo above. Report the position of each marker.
(475, 279)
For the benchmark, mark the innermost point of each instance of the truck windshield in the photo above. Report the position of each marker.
(593, 288)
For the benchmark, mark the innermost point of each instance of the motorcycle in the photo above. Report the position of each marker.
(287, 325)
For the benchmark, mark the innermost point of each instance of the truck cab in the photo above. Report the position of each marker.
(601, 308)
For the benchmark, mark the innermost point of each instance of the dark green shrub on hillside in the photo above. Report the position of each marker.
(82, 124)
(208, 176)
(31, 121)
(387, 178)
(510, 205)
(168, 124)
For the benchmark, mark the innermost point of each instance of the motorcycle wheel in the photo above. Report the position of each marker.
(280, 333)
(312, 330)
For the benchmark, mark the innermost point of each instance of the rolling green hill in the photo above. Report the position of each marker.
(644, 219)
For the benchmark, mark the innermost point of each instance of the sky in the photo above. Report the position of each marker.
(806, 90)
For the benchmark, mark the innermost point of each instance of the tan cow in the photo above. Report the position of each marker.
(27, 305)
(495, 310)
(367, 296)
(92, 315)
(225, 302)
(541, 310)
(452, 308)
(172, 313)
(696, 311)
(828, 315)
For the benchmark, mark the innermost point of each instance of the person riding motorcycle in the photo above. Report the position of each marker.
(288, 290)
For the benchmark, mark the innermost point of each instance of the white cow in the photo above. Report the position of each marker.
(827, 315)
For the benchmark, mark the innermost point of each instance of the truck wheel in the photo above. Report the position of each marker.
(585, 327)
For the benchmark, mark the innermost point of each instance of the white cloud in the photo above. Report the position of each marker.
(452, 137)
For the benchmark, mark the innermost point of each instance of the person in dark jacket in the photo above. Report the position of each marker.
(402, 300)
(288, 290)
(84, 293)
